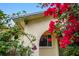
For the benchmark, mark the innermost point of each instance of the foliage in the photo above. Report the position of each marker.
(10, 39)
(66, 27)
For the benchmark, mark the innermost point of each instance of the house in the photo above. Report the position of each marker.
(38, 26)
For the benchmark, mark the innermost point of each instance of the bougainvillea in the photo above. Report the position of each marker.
(51, 27)
(67, 26)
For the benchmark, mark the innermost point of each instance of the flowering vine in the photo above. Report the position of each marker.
(67, 25)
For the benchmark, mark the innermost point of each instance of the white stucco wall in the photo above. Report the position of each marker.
(37, 27)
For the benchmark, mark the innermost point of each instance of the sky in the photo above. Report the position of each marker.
(10, 8)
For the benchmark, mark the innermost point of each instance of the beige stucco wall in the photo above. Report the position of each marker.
(37, 27)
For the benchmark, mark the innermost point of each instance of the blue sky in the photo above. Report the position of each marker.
(10, 8)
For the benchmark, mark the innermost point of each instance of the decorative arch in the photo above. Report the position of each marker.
(45, 39)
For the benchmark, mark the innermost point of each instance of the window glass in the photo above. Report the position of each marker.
(46, 39)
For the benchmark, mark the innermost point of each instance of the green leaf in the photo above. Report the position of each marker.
(64, 15)
(57, 25)
(76, 34)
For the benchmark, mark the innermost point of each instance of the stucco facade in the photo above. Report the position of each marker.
(37, 26)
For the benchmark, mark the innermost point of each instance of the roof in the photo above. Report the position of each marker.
(34, 15)
(30, 16)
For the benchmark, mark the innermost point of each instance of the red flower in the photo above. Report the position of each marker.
(77, 25)
(77, 40)
(58, 4)
(51, 27)
(71, 16)
(52, 4)
(68, 32)
(73, 21)
(51, 24)
(71, 24)
(50, 30)
(55, 15)
(57, 21)
(65, 41)
(64, 7)
(72, 27)
(62, 45)
(68, 26)
(60, 11)
(49, 40)
(46, 13)
(52, 10)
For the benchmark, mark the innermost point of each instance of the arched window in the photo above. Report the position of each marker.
(46, 39)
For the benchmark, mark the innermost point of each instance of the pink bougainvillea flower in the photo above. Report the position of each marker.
(49, 40)
(68, 32)
(50, 30)
(77, 40)
(68, 27)
(55, 15)
(71, 16)
(51, 26)
(51, 11)
(52, 4)
(65, 41)
(73, 21)
(62, 45)
(45, 13)
(58, 4)
(64, 7)
(77, 26)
